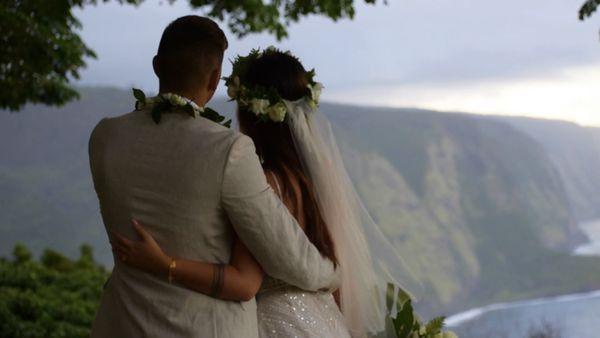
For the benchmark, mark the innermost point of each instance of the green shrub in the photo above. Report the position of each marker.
(52, 297)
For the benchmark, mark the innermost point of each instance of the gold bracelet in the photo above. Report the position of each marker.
(172, 267)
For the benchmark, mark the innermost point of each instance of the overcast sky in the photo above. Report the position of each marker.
(505, 57)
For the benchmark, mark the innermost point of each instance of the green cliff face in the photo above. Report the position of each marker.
(575, 151)
(473, 204)
(480, 209)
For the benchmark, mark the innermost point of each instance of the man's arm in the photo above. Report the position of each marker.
(266, 227)
(95, 148)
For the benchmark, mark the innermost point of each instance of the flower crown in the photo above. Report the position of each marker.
(266, 103)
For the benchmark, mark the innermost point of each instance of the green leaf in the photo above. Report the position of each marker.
(389, 297)
(157, 112)
(404, 321)
(402, 298)
(214, 116)
(139, 95)
(21, 253)
(435, 325)
(190, 110)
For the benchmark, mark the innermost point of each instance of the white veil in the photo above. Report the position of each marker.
(367, 259)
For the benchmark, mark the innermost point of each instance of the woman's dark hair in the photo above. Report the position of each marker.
(275, 147)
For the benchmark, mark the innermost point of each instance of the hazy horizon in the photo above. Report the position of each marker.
(534, 59)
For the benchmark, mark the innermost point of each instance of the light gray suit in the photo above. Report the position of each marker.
(193, 183)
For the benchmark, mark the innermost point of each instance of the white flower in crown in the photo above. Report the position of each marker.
(233, 89)
(259, 106)
(315, 91)
(277, 112)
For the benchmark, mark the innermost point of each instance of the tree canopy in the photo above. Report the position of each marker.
(42, 50)
(588, 8)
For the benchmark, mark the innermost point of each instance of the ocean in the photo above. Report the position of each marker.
(566, 316)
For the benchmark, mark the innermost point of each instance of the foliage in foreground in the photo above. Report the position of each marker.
(405, 323)
(52, 297)
(58, 297)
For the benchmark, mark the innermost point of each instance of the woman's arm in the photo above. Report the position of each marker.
(240, 281)
(241, 278)
(267, 227)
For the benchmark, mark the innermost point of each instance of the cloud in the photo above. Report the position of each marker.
(449, 45)
(571, 95)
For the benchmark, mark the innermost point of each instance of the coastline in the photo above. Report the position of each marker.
(465, 316)
(591, 229)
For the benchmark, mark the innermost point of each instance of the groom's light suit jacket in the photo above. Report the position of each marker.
(192, 183)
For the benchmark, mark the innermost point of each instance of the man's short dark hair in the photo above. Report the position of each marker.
(190, 48)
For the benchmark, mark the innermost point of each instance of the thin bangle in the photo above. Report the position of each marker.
(172, 267)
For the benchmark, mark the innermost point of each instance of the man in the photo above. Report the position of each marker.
(193, 183)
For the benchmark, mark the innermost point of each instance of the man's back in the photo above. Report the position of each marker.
(169, 176)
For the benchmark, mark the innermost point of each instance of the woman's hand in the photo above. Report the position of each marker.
(145, 254)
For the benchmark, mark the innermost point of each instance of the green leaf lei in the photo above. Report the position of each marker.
(169, 102)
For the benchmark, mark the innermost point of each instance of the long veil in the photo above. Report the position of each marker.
(367, 259)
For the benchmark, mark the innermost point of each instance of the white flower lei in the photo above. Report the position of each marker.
(163, 103)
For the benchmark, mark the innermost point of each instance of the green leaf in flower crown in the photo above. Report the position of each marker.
(139, 95)
(310, 75)
(227, 123)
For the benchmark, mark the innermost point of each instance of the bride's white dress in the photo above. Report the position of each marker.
(286, 311)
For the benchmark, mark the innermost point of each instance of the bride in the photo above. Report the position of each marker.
(277, 107)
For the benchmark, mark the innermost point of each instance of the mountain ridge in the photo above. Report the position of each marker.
(478, 205)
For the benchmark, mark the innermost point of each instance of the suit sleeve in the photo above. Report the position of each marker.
(266, 227)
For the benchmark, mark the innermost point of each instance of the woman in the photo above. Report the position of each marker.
(277, 108)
